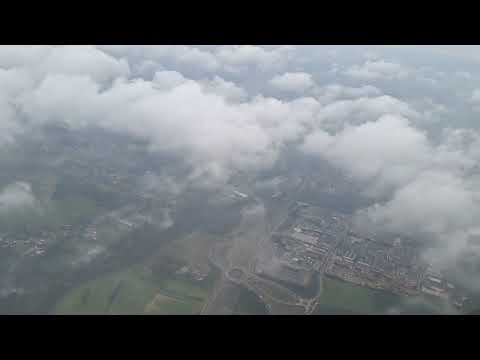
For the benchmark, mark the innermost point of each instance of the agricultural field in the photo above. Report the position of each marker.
(248, 303)
(339, 297)
(134, 291)
(191, 249)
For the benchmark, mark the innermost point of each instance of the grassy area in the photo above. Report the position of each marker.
(156, 290)
(49, 216)
(339, 297)
(94, 296)
(133, 291)
(183, 288)
(191, 249)
(248, 303)
(275, 291)
(165, 305)
(346, 297)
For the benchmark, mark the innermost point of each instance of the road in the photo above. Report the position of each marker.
(311, 304)
(251, 241)
(246, 245)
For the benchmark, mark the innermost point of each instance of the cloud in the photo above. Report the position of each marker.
(475, 100)
(166, 80)
(433, 109)
(73, 60)
(475, 96)
(356, 111)
(56, 99)
(84, 60)
(87, 254)
(9, 127)
(160, 185)
(464, 75)
(170, 56)
(332, 92)
(22, 56)
(371, 56)
(380, 154)
(14, 81)
(377, 69)
(424, 189)
(297, 82)
(194, 119)
(227, 89)
(237, 59)
(467, 52)
(206, 59)
(16, 196)
(193, 103)
(434, 203)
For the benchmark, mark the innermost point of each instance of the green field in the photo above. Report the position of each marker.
(339, 297)
(133, 291)
(165, 305)
(248, 303)
(50, 216)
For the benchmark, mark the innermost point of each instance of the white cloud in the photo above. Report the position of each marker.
(474, 100)
(181, 116)
(381, 154)
(15, 196)
(183, 101)
(475, 96)
(241, 58)
(435, 203)
(465, 75)
(297, 82)
(226, 89)
(371, 56)
(22, 56)
(330, 93)
(337, 114)
(166, 80)
(83, 60)
(377, 69)
(170, 56)
(14, 81)
(421, 189)
(210, 59)
(75, 60)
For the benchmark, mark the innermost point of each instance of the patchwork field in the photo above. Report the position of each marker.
(133, 291)
(339, 297)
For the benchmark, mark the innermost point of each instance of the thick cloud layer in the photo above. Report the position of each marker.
(380, 153)
(205, 122)
(424, 190)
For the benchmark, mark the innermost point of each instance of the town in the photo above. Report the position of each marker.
(316, 240)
